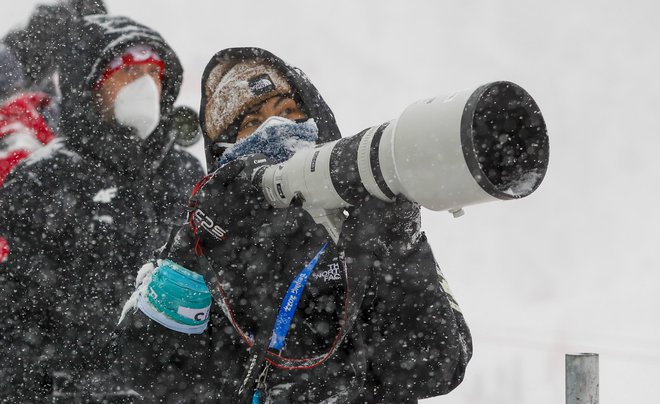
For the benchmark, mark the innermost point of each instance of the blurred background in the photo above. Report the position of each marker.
(572, 268)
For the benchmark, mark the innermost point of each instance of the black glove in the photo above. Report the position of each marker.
(225, 206)
(383, 228)
(233, 227)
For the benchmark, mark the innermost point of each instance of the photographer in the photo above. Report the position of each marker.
(302, 319)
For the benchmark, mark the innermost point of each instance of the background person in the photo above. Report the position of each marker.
(29, 97)
(28, 117)
(79, 215)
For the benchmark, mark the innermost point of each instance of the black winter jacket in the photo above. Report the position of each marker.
(376, 322)
(79, 216)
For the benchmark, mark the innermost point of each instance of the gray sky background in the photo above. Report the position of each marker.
(572, 268)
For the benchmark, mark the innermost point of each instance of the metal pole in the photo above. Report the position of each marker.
(582, 378)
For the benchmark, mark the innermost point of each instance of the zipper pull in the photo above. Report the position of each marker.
(261, 385)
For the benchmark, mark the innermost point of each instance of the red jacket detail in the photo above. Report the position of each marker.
(22, 129)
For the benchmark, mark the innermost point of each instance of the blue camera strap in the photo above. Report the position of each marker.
(290, 302)
(285, 317)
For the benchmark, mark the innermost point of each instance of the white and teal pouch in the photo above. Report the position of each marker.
(173, 296)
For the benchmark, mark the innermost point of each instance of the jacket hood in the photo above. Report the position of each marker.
(91, 45)
(12, 78)
(301, 86)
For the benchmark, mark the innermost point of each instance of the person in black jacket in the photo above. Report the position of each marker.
(302, 319)
(82, 212)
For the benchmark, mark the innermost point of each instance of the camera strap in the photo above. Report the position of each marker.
(290, 302)
(357, 281)
(281, 327)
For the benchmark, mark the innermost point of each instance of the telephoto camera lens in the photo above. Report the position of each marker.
(478, 145)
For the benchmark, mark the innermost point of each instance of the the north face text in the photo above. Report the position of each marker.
(261, 84)
(332, 274)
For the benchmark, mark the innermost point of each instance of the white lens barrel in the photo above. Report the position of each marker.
(305, 176)
(474, 146)
(477, 145)
(422, 155)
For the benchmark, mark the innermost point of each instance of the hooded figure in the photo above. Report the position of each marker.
(296, 317)
(29, 101)
(79, 214)
(24, 115)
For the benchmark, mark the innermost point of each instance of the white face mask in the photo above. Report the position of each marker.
(138, 105)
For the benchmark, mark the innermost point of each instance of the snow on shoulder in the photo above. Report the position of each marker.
(49, 150)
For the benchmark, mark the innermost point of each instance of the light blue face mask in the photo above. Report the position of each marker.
(277, 138)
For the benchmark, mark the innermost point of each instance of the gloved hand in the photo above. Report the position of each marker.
(383, 228)
(239, 235)
(224, 206)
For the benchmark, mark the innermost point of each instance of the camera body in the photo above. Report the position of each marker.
(477, 145)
